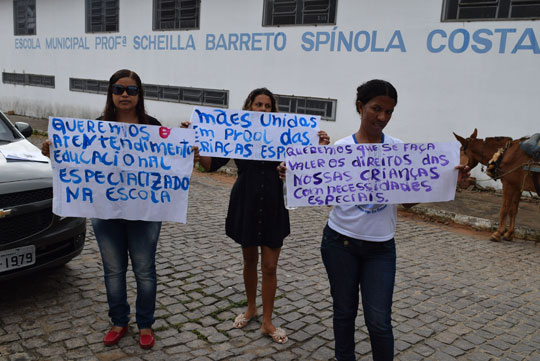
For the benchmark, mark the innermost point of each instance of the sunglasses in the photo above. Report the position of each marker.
(118, 89)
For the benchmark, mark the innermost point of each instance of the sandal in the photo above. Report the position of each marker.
(279, 335)
(241, 321)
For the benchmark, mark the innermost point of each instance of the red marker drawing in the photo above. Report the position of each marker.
(164, 132)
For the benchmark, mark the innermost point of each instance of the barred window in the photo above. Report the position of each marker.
(40, 80)
(326, 108)
(102, 16)
(490, 9)
(13, 78)
(24, 17)
(299, 12)
(166, 93)
(88, 85)
(176, 14)
(177, 94)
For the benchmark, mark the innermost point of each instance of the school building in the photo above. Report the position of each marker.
(457, 64)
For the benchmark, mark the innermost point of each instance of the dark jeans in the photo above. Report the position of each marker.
(116, 239)
(371, 266)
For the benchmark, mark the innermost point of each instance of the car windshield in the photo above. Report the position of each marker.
(7, 133)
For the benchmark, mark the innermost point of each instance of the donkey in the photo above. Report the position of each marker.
(480, 150)
(508, 167)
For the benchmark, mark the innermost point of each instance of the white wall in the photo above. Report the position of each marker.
(439, 92)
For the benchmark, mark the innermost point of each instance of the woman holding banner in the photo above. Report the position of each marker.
(358, 248)
(119, 239)
(257, 218)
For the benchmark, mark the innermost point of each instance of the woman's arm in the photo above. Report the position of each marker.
(205, 162)
(282, 170)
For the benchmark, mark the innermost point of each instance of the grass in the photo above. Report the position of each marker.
(215, 314)
(162, 328)
(43, 133)
(200, 336)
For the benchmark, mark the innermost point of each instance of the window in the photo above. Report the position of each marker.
(46, 81)
(88, 85)
(176, 14)
(491, 9)
(12, 78)
(102, 16)
(40, 80)
(326, 108)
(299, 12)
(166, 93)
(198, 96)
(24, 17)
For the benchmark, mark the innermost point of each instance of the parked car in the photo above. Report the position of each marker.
(32, 238)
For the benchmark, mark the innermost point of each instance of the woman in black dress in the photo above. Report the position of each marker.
(257, 218)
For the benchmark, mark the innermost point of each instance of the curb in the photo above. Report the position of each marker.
(521, 232)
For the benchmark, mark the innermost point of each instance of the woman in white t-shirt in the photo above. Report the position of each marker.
(358, 248)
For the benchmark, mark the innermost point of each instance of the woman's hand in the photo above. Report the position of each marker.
(45, 148)
(464, 176)
(324, 139)
(282, 170)
(185, 124)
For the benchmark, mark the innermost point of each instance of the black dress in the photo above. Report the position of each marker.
(256, 215)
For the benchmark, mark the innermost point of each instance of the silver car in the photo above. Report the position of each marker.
(32, 238)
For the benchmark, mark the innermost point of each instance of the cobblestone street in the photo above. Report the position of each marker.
(458, 296)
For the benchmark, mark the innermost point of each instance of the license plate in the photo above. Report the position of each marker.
(17, 258)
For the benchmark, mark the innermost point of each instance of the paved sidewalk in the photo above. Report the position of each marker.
(458, 296)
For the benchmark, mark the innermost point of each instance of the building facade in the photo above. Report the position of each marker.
(457, 65)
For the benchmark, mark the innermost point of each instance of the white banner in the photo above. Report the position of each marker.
(371, 173)
(242, 134)
(119, 170)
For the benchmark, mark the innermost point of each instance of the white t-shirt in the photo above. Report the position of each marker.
(368, 222)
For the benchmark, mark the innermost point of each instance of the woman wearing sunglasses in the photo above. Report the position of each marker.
(119, 239)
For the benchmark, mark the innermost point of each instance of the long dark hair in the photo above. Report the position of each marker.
(109, 113)
(256, 92)
(375, 88)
